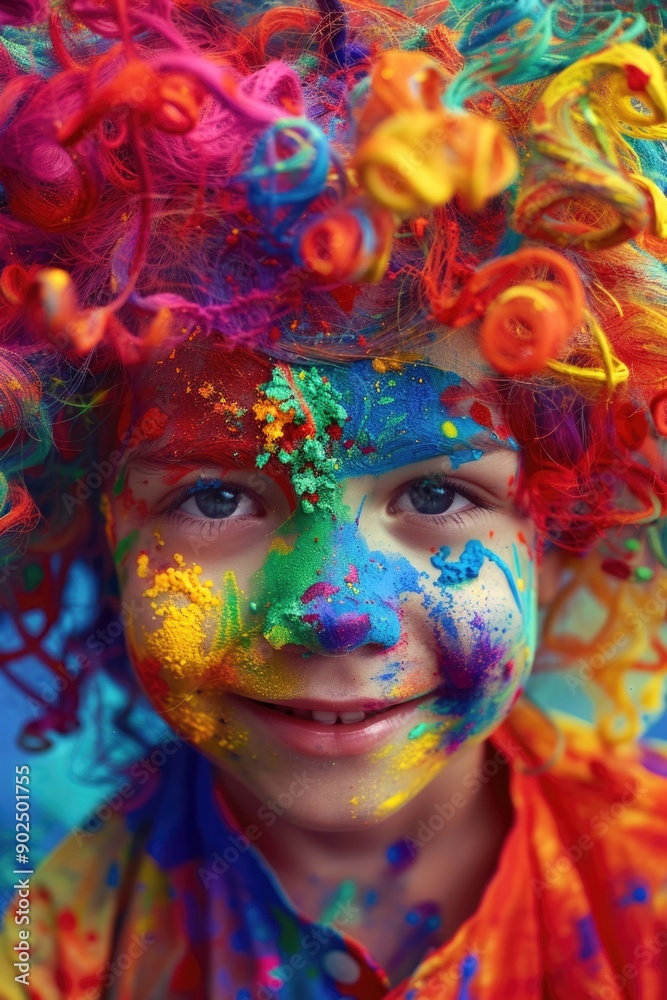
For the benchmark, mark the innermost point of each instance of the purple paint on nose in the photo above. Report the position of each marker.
(318, 590)
(340, 633)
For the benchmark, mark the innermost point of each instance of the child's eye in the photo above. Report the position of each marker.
(435, 496)
(220, 503)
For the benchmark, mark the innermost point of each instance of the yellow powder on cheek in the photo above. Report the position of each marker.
(233, 739)
(202, 728)
(202, 635)
(181, 581)
(179, 643)
(195, 727)
(142, 565)
(187, 607)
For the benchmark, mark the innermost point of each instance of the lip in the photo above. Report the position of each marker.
(340, 740)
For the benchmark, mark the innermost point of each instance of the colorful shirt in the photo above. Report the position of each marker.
(168, 900)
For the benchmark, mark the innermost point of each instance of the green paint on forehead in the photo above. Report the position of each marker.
(302, 415)
(332, 422)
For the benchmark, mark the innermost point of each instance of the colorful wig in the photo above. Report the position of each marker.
(333, 181)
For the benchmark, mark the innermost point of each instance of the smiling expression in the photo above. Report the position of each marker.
(337, 540)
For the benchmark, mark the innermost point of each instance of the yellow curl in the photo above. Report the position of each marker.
(582, 158)
(413, 154)
(612, 372)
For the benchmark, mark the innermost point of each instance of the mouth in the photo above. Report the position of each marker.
(326, 717)
(320, 729)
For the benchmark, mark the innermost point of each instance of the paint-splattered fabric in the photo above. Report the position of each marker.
(167, 900)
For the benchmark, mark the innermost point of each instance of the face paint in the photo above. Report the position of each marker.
(366, 421)
(342, 600)
(468, 565)
(323, 434)
(301, 418)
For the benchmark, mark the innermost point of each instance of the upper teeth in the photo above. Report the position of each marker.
(328, 718)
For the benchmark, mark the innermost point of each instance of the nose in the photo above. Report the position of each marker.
(331, 593)
(341, 626)
(334, 617)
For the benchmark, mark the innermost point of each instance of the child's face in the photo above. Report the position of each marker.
(340, 540)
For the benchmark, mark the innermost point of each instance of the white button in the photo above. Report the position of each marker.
(341, 966)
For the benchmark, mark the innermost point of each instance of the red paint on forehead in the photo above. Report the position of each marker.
(198, 402)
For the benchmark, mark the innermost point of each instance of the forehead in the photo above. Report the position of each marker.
(373, 411)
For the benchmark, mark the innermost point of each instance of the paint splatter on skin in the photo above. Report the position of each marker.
(369, 422)
(302, 415)
(468, 565)
(329, 613)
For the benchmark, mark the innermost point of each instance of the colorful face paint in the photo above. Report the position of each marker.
(320, 586)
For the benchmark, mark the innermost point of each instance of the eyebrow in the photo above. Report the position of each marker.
(151, 457)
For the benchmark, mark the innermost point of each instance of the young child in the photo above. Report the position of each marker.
(334, 345)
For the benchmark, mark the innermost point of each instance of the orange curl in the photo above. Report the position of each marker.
(527, 320)
(402, 81)
(485, 160)
(170, 102)
(350, 244)
(52, 311)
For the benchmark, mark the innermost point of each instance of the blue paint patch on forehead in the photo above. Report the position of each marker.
(399, 417)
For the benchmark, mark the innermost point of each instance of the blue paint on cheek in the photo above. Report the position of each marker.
(441, 618)
(389, 674)
(465, 674)
(468, 566)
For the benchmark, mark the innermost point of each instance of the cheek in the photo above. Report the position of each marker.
(177, 641)
(482, 613)
(184, 618)
(194, 633)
